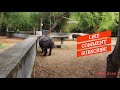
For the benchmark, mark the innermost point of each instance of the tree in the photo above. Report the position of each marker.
(60, 17)
(16, 20)
(88, 22)
(91, 22)
(4, 16)
(113, 60)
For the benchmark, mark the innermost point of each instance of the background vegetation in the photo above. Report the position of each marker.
(88, 22)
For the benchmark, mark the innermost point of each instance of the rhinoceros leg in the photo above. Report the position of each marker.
(45, 51)
(50, 51)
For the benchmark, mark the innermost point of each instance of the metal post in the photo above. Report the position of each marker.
(62, 44)
(41, 24)
(50, 22)
(34, 31)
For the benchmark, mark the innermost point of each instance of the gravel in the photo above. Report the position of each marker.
(63, 63)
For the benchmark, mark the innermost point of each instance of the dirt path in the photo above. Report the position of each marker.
(64, 64)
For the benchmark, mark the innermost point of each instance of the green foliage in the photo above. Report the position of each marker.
(88, 22)
(91, 22)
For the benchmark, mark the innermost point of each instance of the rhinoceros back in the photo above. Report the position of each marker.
(46, 42)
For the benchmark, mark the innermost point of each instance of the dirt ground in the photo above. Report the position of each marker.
(4, 40)
(63, 63)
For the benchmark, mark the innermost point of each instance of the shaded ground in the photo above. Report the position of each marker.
(64, 64)
(8, 42)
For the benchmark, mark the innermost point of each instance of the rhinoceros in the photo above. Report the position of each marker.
(46, 42)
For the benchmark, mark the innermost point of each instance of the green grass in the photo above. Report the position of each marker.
(3, 46)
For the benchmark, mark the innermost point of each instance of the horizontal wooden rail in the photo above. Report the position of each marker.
(18, 61)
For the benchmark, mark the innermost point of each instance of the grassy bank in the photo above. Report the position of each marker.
(3, 46)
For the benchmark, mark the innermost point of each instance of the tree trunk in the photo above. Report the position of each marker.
(3, 29)
(56, 22)
(113, 60)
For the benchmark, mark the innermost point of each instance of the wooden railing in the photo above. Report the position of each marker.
(18, 61)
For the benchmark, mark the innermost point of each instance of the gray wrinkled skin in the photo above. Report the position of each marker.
(45, 38)
(46, 42)
(75, 36)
